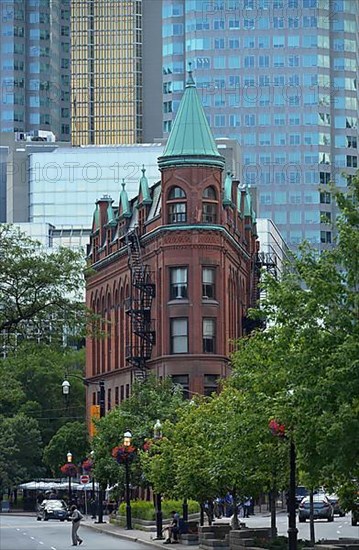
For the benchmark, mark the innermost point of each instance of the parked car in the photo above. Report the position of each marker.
(334, 501)
(322, 509)
(52, 509)
(300, 493)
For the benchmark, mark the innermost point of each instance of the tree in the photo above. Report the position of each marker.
(71, 437)
(305, 361)
(151, 400)
(20, 450)
(41, 293)
(31, 382)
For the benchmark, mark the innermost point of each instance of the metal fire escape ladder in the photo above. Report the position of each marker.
(138, 307)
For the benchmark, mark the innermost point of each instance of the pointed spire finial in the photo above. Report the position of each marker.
(123, 183)
(143, 169)
(190, 82)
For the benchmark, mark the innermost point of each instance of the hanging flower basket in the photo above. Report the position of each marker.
(276, 428)
(147, 445)
(124, 454)
(69, 470)
(87, 465)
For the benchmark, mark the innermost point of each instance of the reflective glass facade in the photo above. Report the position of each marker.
(64, 185)
(35, 66)
(106, 71)
(281, 77)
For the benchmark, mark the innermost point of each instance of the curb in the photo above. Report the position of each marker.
(121, 535)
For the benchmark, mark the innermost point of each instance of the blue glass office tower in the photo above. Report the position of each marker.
(281, 77)
(35, 66)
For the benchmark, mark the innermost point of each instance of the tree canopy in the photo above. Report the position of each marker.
(40, 292)
(305, 362)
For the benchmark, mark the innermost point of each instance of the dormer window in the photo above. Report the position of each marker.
(177, 206)
(209, 205)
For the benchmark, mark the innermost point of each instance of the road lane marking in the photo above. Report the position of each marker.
(33, 538)
(53, 548)
(40, 542)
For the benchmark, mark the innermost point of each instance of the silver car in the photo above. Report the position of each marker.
(322, 509)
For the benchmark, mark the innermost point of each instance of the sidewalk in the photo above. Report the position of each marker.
(148, 537)
(135, 535)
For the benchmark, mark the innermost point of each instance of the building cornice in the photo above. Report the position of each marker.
(170, 228)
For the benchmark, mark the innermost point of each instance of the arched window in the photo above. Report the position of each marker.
(177, 206)
(209, 205)
(176, 193)
(210, 193)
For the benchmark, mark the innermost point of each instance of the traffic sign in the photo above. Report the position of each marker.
(84, 479)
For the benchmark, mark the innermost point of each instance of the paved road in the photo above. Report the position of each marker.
(341, 527)
(25, 533)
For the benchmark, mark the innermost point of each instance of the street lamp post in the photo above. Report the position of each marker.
(101, 400)
(69, 461)
(292, 528)
(279, 430)
(157, 434)
(127, 436)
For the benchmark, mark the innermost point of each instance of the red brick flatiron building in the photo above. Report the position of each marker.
(174, 269)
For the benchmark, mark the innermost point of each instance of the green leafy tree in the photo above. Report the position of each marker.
(34, 376)
(20, 451)
(151, 400)
(36, 287)
(71, 437)
(304, 363)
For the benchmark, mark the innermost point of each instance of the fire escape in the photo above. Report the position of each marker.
(268, 261)
(141, 338)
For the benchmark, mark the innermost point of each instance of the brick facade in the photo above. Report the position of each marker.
(197, 235)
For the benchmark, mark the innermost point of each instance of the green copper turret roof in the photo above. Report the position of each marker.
(248, 206)
(124, 209)
(111, 219)
(144, 189)
(96, 219)
(191, 140)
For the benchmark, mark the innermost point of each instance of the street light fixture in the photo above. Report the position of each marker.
(127, 438)
(101, 400)
(69, 461)
(157, 434)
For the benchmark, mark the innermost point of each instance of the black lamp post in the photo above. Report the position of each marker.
(101, 400)
(279, 430)
(69, 461)
(127, 437)
(292, 528)
(157, 434)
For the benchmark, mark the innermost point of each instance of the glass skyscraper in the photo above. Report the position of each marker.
(281, 77)
(35, 66)
(109, 70)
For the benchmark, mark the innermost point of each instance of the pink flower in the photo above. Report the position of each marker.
(276, 428)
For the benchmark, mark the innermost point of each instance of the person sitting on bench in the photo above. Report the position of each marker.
(173, 529)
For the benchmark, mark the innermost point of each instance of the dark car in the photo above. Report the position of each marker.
(322, 509)
(334, 501)
(52, 509)
(300, 493)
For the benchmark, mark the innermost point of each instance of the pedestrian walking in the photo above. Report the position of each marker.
(75, 517)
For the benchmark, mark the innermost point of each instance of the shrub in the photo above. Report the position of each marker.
(144, 509)
(169, 505)
(141, 509)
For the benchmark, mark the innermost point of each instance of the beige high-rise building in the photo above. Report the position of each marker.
(109, 70)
